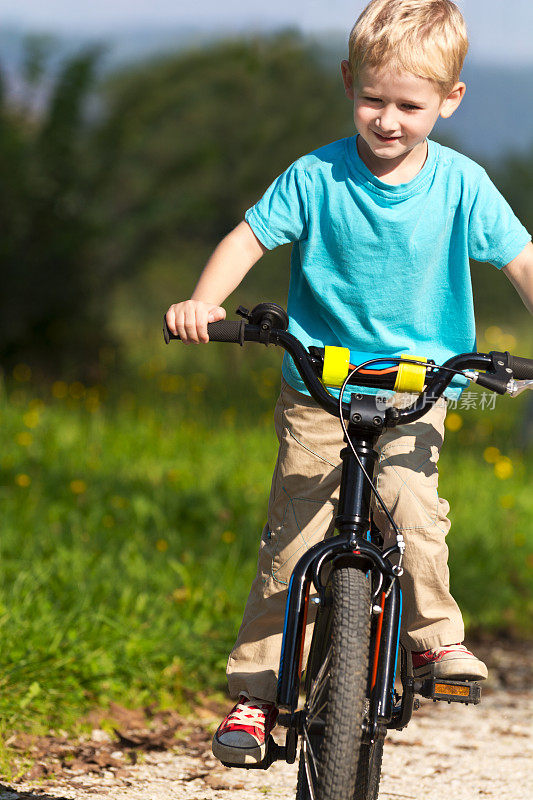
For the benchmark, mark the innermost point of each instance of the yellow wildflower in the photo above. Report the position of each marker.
(78, 487)
(31, 419)
(493, 334)
(453, 421)
(36, 404)
(503, 468)
(507, 501)
(171, 384)
(508, 342)
(491, 454)
(59, 389)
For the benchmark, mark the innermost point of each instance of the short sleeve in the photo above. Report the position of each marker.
(494, 232)
(280, 216)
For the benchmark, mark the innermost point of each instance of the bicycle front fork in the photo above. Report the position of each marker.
(385, 627)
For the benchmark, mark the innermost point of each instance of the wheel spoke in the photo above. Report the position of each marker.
(310, 747)
(315, 715)
(309, 767)
(319, 682)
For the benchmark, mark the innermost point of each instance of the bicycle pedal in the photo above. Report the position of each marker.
(450, 691)
(274, 752)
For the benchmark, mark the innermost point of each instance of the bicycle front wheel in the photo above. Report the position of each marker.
(336, 683)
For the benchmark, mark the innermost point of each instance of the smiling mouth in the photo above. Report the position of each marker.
(386, 138)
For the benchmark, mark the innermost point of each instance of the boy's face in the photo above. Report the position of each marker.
(394, 111)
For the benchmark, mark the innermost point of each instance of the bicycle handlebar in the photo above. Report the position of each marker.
(522, 367)
(497, 375)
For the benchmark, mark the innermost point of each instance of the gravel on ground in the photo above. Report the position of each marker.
(447, 751)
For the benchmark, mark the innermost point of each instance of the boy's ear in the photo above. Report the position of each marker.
(452, 102)
(347, 79)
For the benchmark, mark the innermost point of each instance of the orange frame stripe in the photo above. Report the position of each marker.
(378, 642)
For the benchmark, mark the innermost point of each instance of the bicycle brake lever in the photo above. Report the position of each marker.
(514, 388)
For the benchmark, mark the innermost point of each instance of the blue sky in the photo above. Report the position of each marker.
(499, 30)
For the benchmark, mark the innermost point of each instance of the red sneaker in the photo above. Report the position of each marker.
(452, 661)
(242, 736)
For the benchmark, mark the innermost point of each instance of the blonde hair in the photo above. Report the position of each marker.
(424, 37)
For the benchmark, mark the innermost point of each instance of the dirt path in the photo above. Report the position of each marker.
(448, 751)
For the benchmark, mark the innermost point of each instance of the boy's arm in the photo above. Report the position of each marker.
(520, 273)
(231, 260)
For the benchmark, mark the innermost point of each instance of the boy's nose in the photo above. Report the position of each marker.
(386, 122)
(386, 126)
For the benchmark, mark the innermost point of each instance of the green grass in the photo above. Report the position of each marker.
(131, 516)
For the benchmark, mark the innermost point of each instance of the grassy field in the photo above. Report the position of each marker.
(131, 514)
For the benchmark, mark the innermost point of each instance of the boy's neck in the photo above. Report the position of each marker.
(394, 170)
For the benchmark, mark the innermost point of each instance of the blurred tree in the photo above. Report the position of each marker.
(47, 301)
(172, 153)
(496, 299)
(193, 140)
(515, 179)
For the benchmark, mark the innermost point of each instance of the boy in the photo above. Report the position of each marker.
(383, 224)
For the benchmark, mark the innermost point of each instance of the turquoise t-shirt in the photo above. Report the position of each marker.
(381, 269)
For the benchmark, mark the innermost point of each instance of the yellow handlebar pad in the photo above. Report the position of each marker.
(410, 377)
(336, 365)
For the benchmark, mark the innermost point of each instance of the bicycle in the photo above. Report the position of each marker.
(349, 682)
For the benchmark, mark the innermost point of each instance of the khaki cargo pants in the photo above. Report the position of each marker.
(301, 511)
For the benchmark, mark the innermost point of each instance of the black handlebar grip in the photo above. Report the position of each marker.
(166, 333)
(222, 331)
(226, 331)
(522, 367)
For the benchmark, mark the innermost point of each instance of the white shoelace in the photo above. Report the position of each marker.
(249, 713)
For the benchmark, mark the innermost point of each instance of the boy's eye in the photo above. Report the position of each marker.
(372, 99)
(411, 108)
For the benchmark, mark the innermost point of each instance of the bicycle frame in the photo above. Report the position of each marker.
(351, 545)
(357, 544)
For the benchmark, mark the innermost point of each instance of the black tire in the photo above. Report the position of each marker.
(369, 770)
(336, 683)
